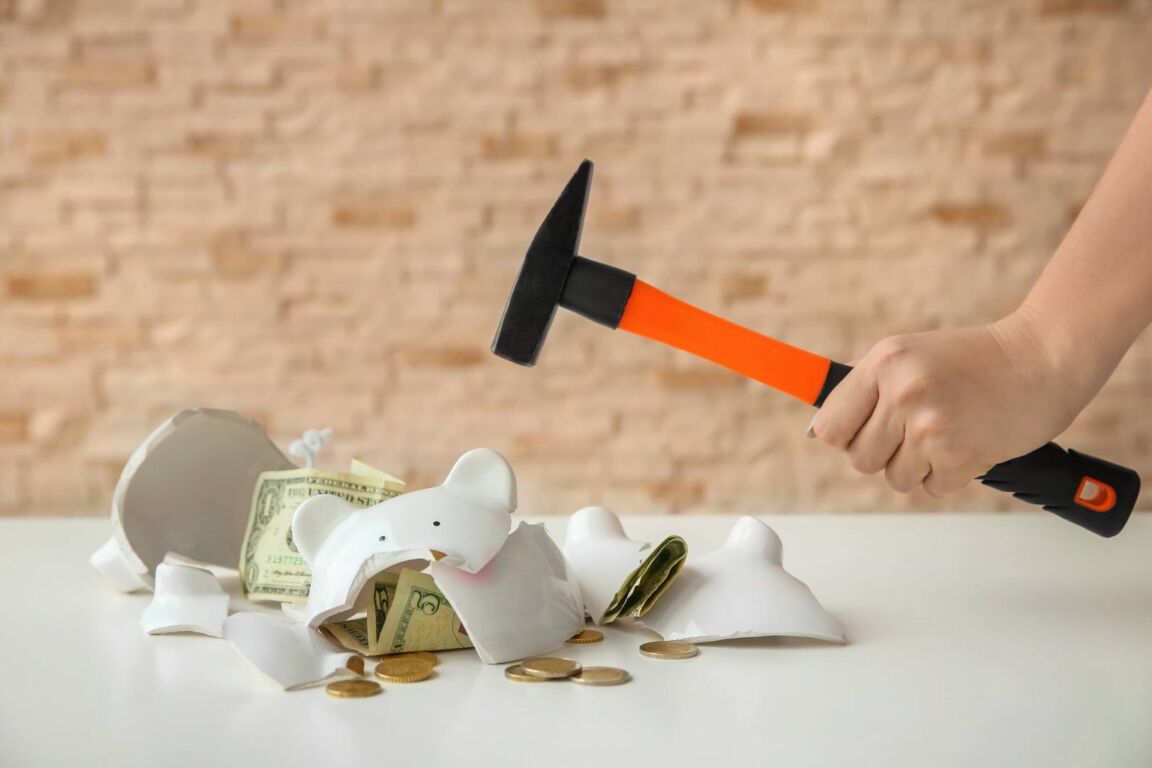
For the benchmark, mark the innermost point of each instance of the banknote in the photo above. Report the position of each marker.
(644, 586)
(406, 612)
(415, 617)
(271, 567)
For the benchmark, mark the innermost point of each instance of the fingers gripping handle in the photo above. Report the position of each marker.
(1090, 492)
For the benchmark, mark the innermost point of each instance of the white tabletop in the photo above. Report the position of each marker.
(974, 640)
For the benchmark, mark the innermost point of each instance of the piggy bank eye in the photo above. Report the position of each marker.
(435, 522)
(382, 538)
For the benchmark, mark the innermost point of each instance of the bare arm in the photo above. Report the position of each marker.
(939, 408)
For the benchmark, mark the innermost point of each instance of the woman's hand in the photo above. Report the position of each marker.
(937, 409)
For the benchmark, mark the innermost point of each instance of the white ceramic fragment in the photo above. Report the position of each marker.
(741, 590)
(524, 602)
(463, 523)
(601, 556)
(187, 490)
(120, 566)
(187, 599)
(288, 652)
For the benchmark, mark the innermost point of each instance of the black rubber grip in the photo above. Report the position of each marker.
(1090, 492)
(1093, 493)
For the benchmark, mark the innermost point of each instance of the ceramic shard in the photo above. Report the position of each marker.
(187, 599)
(741, 590)
(289, 653)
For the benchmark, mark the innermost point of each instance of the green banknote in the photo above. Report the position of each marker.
(644, 586)
(271, 567)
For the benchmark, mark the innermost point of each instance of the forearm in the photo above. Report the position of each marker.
(1095, 295)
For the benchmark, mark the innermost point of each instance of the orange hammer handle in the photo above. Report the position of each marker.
(655, 315)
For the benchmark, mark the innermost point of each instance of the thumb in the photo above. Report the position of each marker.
(847, 409)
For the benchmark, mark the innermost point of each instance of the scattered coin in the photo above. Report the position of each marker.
(353, 689)
(601, 676)
(550, 668)
(664, 649)
(586, 636)
(356, 664)
(431, 658)
(517, 673)
(395, 669)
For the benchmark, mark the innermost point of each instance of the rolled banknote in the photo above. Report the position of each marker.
(271, 567)
(644, 586)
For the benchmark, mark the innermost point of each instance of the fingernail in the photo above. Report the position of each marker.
(810, 433)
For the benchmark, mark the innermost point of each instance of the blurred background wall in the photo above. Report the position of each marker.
(312, 213)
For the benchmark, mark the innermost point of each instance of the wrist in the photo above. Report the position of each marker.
(1056, 358)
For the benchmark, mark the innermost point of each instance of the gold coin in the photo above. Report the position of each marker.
(601, 676)
(400, 670)
(517, 673)
(664, 649)
(353, 689)
(586, 636)
(356, 664)
(431, 658)
(550, 668)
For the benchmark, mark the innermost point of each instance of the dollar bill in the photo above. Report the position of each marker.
(271, 567)
(352, 634)
(406, 612)
(415, 617)
(645, 585)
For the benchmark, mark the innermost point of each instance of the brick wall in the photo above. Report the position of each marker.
(312, 212)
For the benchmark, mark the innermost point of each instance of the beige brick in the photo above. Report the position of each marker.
(520, 146)
(110, 73)
(1057, 7)
(1021, 145)
(13, 427)
(752, 125)
(978, 214)
(50, 286)
(373, 213)
(56, 147)
(571, 9)
(783, 6)
(265, 27)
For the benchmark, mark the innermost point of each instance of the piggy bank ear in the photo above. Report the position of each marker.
(314, 520)
(485, 475)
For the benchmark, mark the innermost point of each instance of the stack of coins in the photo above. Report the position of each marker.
(665, 649)
(547, 668)
(406, 668)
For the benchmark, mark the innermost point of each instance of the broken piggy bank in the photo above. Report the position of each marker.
(512, 592)
(741, 590)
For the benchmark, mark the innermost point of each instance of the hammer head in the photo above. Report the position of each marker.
(536, 294)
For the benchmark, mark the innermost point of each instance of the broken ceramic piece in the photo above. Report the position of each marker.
(187, 490)
(291, 654)
(309, 445)
(524, 602)
(618, 576)
(187, 599)
(463, 523)
(741, 590)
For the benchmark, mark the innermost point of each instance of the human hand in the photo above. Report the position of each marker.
(937, 409)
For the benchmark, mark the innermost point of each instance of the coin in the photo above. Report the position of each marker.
(431, 658)
(353, 689)
(401, 670)
(550, 668)
(601, 676)
(517, 673)
(664, 649)
(586, 636)
(356, 664)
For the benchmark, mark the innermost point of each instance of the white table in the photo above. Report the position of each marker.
(975, 640)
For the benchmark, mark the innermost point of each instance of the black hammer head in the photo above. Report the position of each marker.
(533, 301)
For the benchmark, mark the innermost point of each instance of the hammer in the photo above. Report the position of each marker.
(1090, 492)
